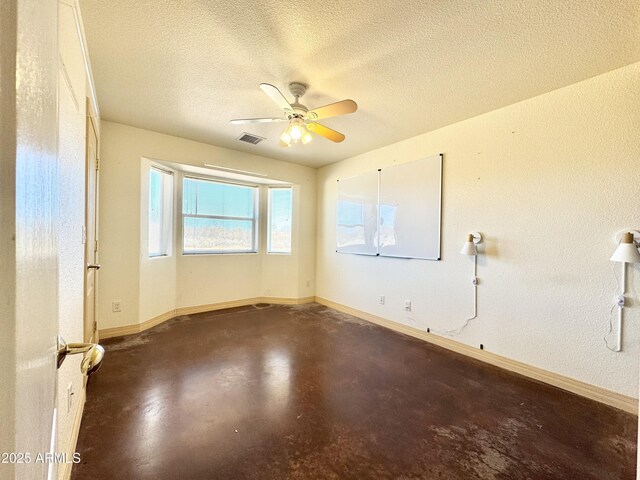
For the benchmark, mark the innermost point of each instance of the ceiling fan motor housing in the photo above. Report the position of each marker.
(297, 89)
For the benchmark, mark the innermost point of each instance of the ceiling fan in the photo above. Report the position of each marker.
(301, 119)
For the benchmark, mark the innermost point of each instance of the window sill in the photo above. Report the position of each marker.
(200, 254)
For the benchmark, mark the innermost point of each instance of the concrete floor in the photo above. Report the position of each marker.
(305, 392)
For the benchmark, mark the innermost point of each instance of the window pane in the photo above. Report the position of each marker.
(280, 201)
(202, 235)
(189, 186)
(155, 213)
(160, 212)
(232, 228)
(202, 197)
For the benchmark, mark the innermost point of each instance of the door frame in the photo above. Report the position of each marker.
(92, 165)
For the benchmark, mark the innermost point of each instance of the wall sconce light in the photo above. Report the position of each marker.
(626, 252)
(470, 248)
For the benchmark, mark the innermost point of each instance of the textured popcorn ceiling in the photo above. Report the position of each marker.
(186, 68)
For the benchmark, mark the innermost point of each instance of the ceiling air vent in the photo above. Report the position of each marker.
(249, 138)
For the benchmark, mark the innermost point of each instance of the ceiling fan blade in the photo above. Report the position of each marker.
(240, 121)
(325, 132)
(283, 144)
(333, 110)
(276, 96)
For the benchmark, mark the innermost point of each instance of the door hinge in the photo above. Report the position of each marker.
(96, 247)
(95, 325)
(97, 163)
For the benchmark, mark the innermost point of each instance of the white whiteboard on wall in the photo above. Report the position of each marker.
(357, 215)
(393, 212)
(410, 209)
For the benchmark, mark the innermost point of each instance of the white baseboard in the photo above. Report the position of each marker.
(628, 404)
(287, 301)
(152, 322)
(75, 431)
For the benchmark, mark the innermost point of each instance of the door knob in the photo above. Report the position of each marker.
(93, 265)
(93, 354)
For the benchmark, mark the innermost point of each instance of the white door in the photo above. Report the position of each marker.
(28, 242)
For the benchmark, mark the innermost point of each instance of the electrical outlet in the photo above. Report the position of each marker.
(381, 300)
(116, 306)
(69, 397)
(407, 305)
(308, 283)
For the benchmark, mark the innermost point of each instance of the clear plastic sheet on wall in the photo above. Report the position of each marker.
(392, 212)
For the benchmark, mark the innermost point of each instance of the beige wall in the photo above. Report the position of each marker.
(548, 181)
(151, 287)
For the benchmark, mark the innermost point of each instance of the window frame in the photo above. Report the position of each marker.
(167, 218)
(270, 188)
(255, 225)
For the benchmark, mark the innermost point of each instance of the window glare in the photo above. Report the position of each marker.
(280, 201)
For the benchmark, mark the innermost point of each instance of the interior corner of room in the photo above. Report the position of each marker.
(478, 214)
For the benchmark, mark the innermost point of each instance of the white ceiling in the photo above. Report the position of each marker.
(186, 68)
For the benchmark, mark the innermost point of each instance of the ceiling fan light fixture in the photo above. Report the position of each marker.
(285, 137)
(296, 129)
(306, 138)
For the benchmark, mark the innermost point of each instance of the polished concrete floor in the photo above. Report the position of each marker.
(305, 392)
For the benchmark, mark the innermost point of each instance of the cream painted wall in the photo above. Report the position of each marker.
(119, 226)
(150, 287)
(548, 181)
